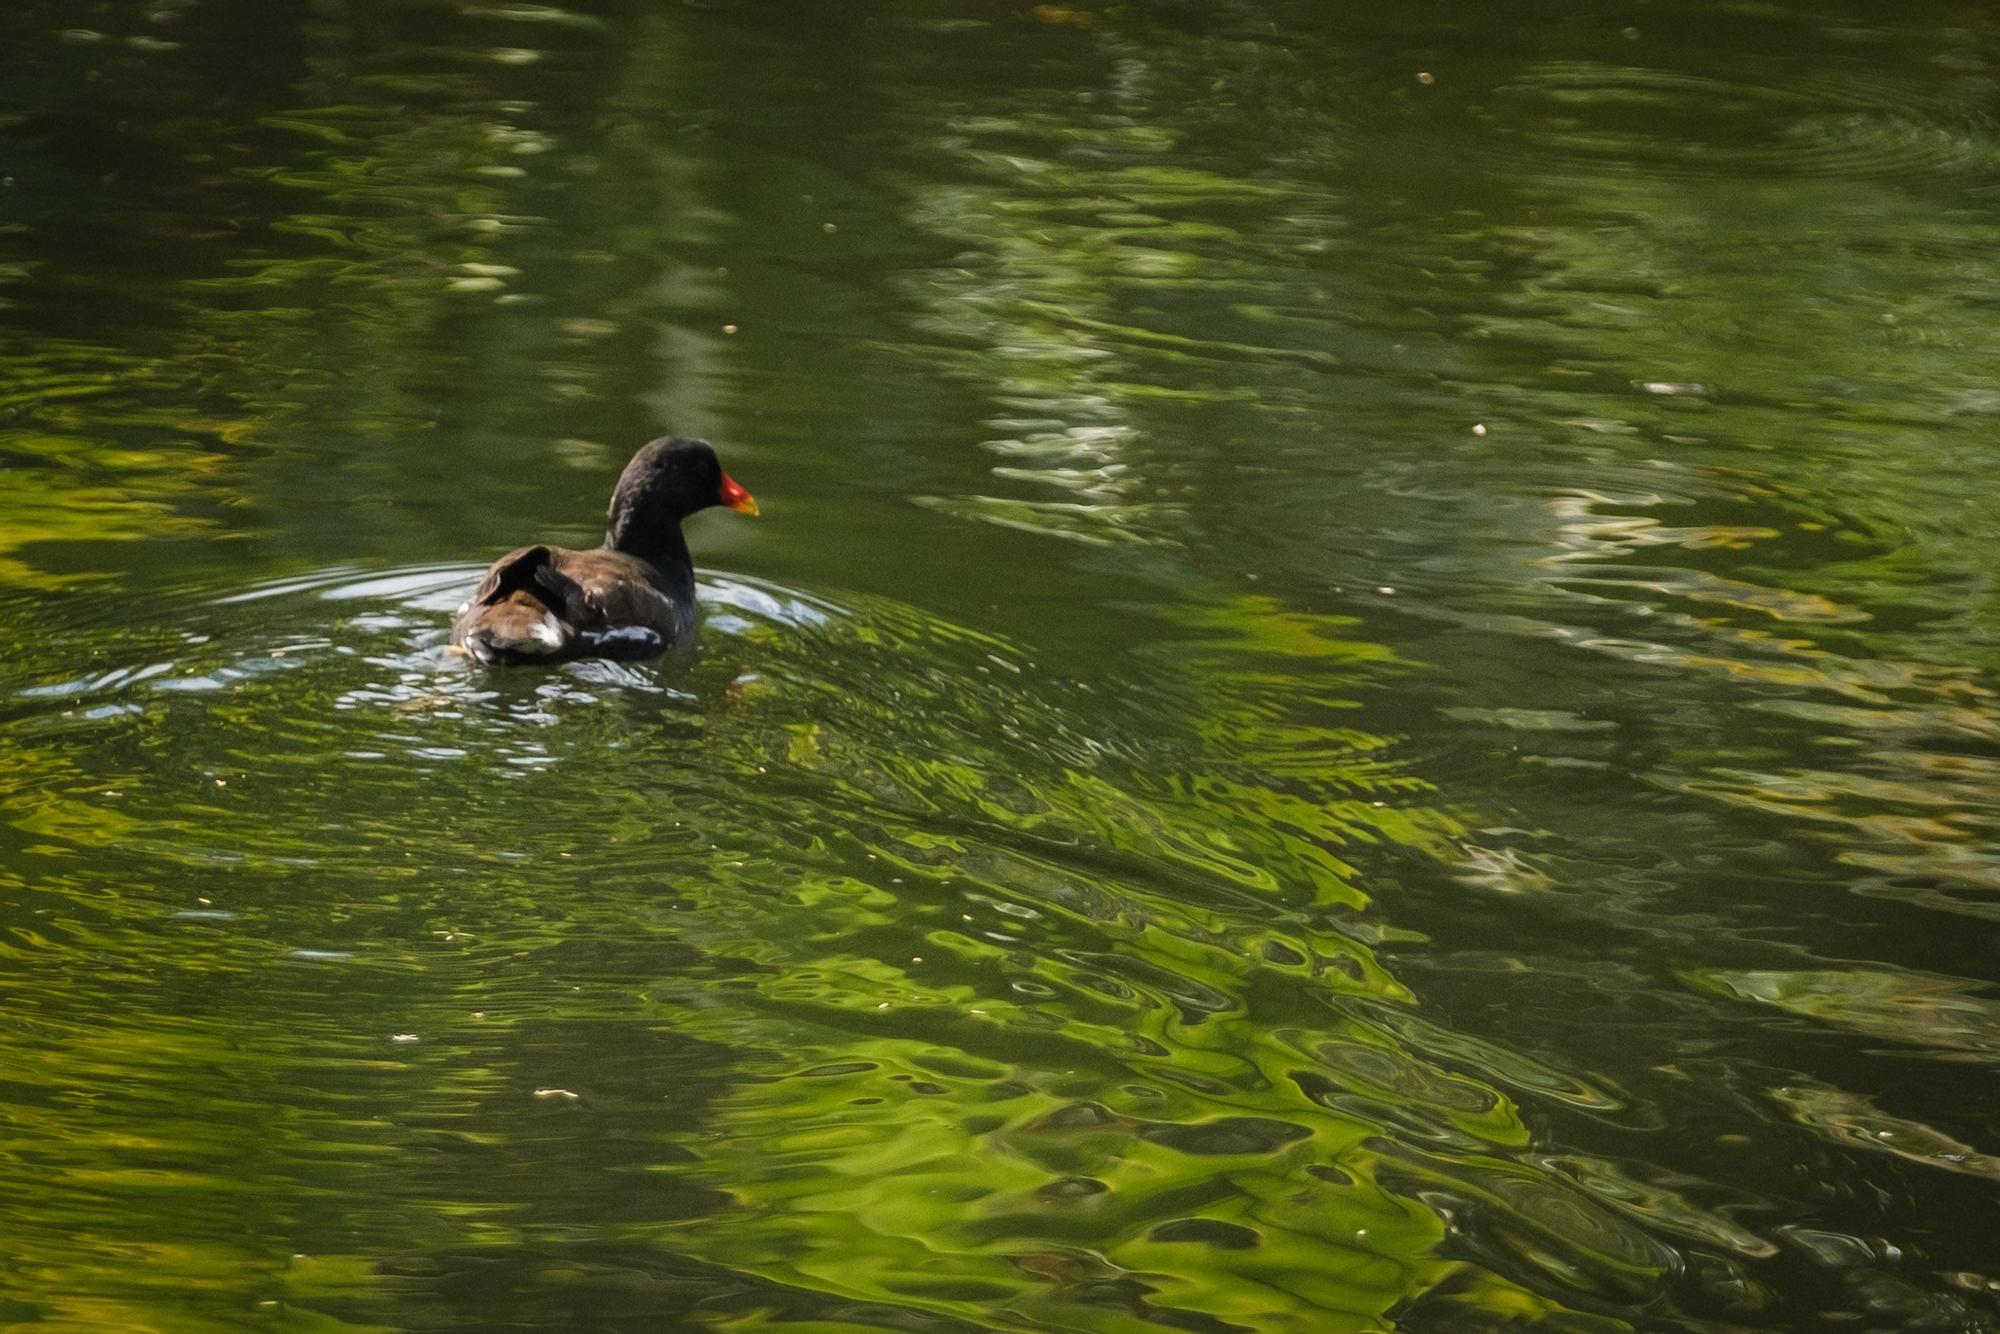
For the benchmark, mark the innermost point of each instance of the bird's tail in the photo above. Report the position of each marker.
(515, 628)
(513, 622)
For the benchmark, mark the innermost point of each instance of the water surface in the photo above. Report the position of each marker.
(1365, 698)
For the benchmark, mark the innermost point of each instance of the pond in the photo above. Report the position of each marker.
(1365, 696)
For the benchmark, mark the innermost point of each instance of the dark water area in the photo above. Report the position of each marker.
(1365, 697)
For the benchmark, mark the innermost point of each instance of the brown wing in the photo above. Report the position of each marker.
(508, 571)
(550, 602)
(611, 594)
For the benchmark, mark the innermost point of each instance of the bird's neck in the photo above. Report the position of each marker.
(659, 545)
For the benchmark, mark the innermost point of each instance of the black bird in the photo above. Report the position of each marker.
(630, 598)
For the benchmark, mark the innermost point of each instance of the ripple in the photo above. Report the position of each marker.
(1557, 1229)
(1626, 119)
(1850, 1118)
(1234, 1136)
(1207, 1232)
(1910, 1007)
(1520, 541)
(983, 866)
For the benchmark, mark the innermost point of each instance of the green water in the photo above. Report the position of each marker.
(1365, 697)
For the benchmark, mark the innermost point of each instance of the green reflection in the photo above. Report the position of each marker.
(1465, 486)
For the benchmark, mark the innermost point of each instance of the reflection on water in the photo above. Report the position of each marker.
(1007, 954)
(1365, 701)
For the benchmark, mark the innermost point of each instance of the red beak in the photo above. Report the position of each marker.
(735, 496)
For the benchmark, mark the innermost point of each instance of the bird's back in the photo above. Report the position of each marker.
(546, 603)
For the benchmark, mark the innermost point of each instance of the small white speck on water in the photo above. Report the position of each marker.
(729, 328)
(828, 227)
(1479, 428)
(402, 1037)
(883, 1006)
(1386, 590)
(1426, 78)
(557, 1093)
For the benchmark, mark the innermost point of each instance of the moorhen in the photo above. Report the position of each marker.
(630, 598)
